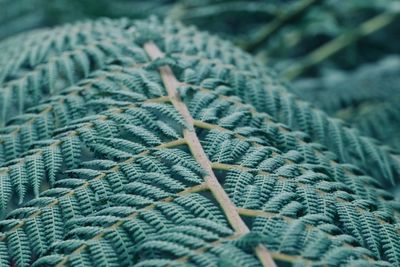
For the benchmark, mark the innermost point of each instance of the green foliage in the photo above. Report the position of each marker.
(91, 130)
(279, 32)
(367, 98)
(295, 37)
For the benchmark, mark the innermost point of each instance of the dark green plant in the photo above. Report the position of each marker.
(305, 38)
(21, 15)
(165, 146)
(367, 98)
(379, 120)
(282, 33)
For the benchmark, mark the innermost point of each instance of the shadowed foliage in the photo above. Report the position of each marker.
(147, 143)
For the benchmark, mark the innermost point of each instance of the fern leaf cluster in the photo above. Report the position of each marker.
(335, 91)
(367, 116)
(288, 109)
(146, 143)
(372, 108)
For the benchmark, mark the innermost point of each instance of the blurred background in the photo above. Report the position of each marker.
(341, 55)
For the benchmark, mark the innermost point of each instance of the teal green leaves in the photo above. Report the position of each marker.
(105, 174)
(5, 189)
(52, 162)
(272, 97)
(19, 247)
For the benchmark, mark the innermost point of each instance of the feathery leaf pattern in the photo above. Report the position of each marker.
(150, 144)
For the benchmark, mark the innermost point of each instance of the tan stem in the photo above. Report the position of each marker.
(334, 46)
(272, 27)
(193, 142)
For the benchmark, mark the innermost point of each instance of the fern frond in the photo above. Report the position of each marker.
(280, 104)
(50, 155)
(168, 166)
